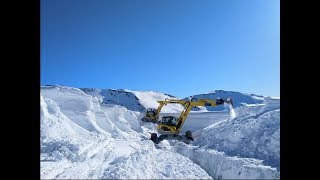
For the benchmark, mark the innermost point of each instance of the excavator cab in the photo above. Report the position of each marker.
(168, 125)
(169, 120)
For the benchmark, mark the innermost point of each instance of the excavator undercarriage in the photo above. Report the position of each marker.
(184, 138)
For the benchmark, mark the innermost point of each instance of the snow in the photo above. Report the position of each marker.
(237, 97)
(218, 165)
(97, 134)
(133, 100)
(116, 97)
(255, 133)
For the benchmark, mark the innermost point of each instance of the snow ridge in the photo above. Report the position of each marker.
(255, 133)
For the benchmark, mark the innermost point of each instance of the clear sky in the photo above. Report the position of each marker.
(180, 47)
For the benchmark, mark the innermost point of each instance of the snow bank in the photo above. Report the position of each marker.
(61, 138)
(84, 139)
(122, 118)
(220, 166)
(254, 133)
(150, 163)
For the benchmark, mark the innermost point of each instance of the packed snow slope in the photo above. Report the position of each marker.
(254, 133)
(97, 134)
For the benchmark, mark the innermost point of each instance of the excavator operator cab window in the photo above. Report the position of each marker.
(169, 120)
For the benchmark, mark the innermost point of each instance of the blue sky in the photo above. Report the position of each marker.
(180, 47)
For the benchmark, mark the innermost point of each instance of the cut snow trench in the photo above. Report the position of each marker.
(219, 166)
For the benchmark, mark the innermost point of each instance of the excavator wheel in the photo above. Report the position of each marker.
(188, 133)
(153, 136)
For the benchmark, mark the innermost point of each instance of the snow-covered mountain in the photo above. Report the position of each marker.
(97, 134)
(239, 99)
(141, 100)
(132, 100)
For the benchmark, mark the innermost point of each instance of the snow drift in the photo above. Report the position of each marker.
(221, 166)
(254, 133)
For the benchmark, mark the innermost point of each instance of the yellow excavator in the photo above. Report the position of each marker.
(169, 126)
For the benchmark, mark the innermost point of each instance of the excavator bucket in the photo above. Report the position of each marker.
(150, 116)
